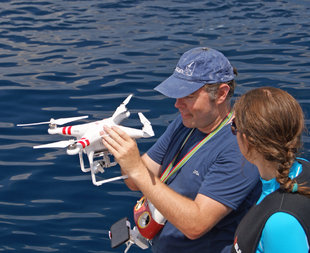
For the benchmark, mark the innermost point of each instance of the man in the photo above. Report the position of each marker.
(204, 200)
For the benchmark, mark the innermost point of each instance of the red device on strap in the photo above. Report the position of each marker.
(147, 218)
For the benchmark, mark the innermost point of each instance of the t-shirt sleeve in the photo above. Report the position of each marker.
(283, 233)
(159, 149)
(230, 178)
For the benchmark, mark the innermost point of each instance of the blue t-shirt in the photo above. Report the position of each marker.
(276, 236)
(217, 170)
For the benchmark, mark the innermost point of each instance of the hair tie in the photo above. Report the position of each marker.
(295, 187)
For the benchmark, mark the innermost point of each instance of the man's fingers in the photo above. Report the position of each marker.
(108, 145)
(121, 133)
(112, 136)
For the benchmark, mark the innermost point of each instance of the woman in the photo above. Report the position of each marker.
(269, 123)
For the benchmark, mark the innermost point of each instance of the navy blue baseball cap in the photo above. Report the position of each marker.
(196, 67)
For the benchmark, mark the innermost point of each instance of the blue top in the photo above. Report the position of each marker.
(275, 236)
(217, 170)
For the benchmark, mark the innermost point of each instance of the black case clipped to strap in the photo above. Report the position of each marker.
(119, 232)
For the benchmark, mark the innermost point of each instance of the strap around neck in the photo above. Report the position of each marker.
(170, 170)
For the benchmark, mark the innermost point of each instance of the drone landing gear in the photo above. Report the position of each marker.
(99, 166)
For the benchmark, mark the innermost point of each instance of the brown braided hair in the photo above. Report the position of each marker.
(273, 123)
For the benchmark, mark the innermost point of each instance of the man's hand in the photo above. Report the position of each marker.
(124, 149)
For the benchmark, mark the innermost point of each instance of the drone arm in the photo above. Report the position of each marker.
(146, 132)
(60, 130)
(132, 132)
(76, 130)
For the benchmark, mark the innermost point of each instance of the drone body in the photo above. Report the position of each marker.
(87, 139)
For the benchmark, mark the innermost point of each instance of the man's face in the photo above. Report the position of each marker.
(197, 110)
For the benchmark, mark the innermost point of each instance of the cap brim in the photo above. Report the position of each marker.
(177, 88)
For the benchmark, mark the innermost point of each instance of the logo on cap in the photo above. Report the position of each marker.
(188, 71)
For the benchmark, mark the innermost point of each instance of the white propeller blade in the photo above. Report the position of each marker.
(63, 121)
(126, 101)
(60, 121)
(147, 127)
(58, 144)
(143, 119)
(34, 124)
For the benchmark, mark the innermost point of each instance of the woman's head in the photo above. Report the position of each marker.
(273, 122)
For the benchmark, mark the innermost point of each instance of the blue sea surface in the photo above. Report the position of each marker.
(67, 58)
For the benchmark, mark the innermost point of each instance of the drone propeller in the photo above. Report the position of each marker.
(126, 101)
(58, 144)
(60, 121)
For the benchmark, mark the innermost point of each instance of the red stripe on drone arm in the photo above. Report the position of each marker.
(82, 143)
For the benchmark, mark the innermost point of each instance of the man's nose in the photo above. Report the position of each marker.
(179, 103)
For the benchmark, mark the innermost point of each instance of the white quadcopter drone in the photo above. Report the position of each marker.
(88, 139)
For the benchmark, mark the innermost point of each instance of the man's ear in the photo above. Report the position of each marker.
(222, 93)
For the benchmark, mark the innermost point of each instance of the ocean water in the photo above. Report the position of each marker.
(67, 58)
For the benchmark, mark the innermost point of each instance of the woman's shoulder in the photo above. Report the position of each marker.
(284, 233)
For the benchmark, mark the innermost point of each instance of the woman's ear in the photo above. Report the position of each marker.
(249, 151)
(245, 141)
